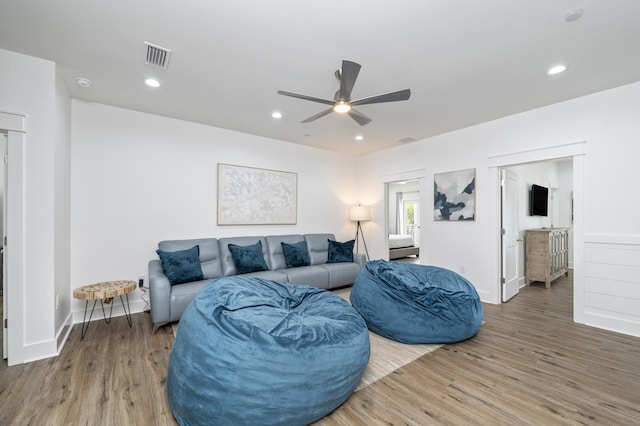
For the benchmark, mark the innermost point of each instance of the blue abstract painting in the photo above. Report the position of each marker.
(454, 195)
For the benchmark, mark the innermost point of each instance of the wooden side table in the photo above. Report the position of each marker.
(105, 292)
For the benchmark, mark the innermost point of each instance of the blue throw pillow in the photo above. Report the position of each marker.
(340, 252)
(181, 266)
(296, 254)
(248, 258)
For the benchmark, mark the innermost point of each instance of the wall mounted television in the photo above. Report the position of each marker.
(538, 200)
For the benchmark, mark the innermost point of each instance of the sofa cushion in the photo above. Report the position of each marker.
(248, 258)
(340, 252)
(275, 254)
(318, 247)
(181, 266)
(278, 275)
(228, 266)
(296, 254)
(315, 276)
(180, 297)
(341, 273)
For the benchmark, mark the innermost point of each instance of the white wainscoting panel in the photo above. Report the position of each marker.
(612, 282)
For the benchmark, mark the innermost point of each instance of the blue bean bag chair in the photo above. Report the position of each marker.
(415, 303)
(250, 351)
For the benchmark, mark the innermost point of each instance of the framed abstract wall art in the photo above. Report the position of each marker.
(253, 196)
(454, 195)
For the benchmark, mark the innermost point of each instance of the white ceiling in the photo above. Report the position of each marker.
(465, 61)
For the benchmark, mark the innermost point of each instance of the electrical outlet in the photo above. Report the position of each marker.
(57, 301)
(140, 280)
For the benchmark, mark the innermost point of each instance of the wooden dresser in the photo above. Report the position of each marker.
(547, 254)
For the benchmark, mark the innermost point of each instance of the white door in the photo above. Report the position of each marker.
(411, 209)
(510, 234)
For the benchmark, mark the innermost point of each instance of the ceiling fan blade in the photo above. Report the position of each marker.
(359, 117)
(348, 76)
(318, 115)
(401, 95)
(305, 97)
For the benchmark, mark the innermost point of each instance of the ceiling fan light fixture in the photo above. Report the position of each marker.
(342, 107)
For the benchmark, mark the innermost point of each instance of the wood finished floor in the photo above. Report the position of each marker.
(529, 364)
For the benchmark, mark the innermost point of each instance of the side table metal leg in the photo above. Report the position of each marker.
(85, 323)
(126, 314)
(108, 301)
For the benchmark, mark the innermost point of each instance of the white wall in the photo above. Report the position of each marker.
(607, 121)
(138, 179)
(28, 86)
(62, 209)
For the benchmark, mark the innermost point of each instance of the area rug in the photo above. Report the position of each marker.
(386, 355)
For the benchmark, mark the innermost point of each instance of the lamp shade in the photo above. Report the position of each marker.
(360, 213)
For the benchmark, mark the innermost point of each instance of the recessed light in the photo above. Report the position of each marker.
(557, 69)
(359, 138)
(152, 82)
(573, 15)
(276, 114)
(83, 82)
(407, 139)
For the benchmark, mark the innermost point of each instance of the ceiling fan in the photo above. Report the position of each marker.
(342, 102)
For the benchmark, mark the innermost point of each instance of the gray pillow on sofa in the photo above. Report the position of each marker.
(248, 258)
(181, 266)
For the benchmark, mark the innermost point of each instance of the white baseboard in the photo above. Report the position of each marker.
(118, 311)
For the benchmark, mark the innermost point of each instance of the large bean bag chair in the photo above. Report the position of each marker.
(415, 303)
(253, 351)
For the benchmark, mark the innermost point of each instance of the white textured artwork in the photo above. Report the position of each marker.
(454, 195)
(251, 196)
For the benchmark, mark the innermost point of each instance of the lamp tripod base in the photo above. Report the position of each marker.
(361, 234)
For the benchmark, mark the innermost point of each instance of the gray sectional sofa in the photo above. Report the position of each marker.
(168, 301)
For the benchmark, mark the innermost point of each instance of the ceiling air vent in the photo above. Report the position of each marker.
(157, 56)
(407, 139)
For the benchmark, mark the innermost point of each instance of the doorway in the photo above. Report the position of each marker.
(557, 175)
(573, 152)
(404, 214)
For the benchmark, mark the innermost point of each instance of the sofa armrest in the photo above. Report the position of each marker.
(159, 293)
(360, 259)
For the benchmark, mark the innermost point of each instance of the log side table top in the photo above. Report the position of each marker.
(104, 290)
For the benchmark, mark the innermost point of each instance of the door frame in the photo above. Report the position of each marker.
(14, 125)
(576, 151)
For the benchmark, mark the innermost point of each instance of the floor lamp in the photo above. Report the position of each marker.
(359, 214)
